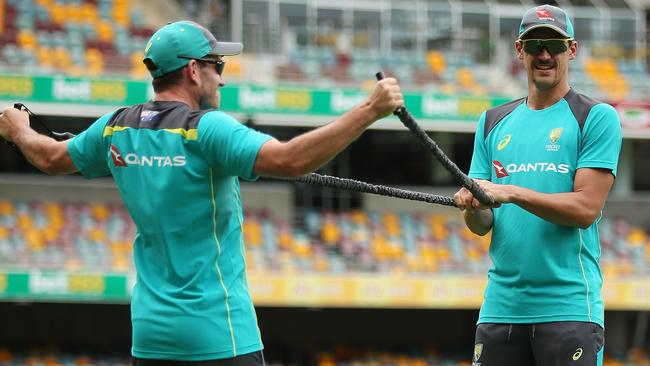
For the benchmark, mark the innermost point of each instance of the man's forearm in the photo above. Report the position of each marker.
(315, 148)
(568, 209)
(479, 221)
(43, 152)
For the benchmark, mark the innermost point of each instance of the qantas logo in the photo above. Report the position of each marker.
(504, 171)
(117, 157)
(143, 160)
(499, 169)
(544, 14)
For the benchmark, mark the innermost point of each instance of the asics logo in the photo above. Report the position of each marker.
(504, 142)
(577, 354)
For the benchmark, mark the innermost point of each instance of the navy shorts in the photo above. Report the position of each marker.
(541, 344)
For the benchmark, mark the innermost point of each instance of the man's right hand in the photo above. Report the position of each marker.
(12, 120)
(385, 98)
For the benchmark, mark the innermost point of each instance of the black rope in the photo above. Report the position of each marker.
(358, 186)
(354, 185)
(59, 136)
(465, 181)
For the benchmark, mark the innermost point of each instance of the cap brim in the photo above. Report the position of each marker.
(227, 48)
(555, 28)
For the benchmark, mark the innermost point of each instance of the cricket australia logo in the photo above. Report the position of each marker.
(117, 157)
(478, 349)
(554, 137)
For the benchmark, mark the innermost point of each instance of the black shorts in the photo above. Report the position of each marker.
(250, 359)
(541, 344)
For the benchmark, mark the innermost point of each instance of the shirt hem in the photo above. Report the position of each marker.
(159, 355)
(540, 319)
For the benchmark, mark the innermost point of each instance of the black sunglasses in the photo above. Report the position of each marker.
(219, 65)
(553, 46)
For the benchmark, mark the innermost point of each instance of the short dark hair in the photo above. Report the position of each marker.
(171, 79)
(168, 80)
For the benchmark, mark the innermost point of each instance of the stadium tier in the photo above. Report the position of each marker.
(90, 38)
(103, 38)
(98, 236)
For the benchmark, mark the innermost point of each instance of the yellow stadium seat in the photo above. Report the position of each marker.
(330, 232)
(436, 61)
(321, 264)
(25, 222)
(234, 67)
(27, 39)
(62, 58)
(99, 212)
(34, 240)
(44, 56)
(73, 13)
(285, 240)
(89, 13)
(105, 31)
(391, 224)
(94, 61)
(97, 235)
(637, 237)
(7, 208)
(57, 13)
(138, 69)
(359, 217)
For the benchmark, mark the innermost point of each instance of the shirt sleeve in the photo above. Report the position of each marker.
(88, 150)
(228, 145)
(480, 167)
(601, 139)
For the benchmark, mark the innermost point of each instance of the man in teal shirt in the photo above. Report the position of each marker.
(549, 160)
(177, 161)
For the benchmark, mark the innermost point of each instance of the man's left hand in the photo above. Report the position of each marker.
(12, 121)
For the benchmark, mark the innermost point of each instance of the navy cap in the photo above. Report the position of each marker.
(546, 16)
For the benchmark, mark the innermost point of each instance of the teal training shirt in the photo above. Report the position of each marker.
(543, 272)
(177, 171)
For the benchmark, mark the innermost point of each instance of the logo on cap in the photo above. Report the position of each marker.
(544, 14)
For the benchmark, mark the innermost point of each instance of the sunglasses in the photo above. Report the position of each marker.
(553, 46)
(219, 65)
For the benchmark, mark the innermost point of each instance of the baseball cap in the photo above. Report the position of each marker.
(548, 16)
(186, 39)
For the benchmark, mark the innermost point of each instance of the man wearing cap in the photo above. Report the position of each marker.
(549, 161)
(176, 162)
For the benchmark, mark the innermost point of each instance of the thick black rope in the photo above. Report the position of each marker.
(358, 186)
(462, 179)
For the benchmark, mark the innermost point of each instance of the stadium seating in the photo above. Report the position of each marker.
(73, 237)
(107, 38)
(88, 38)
